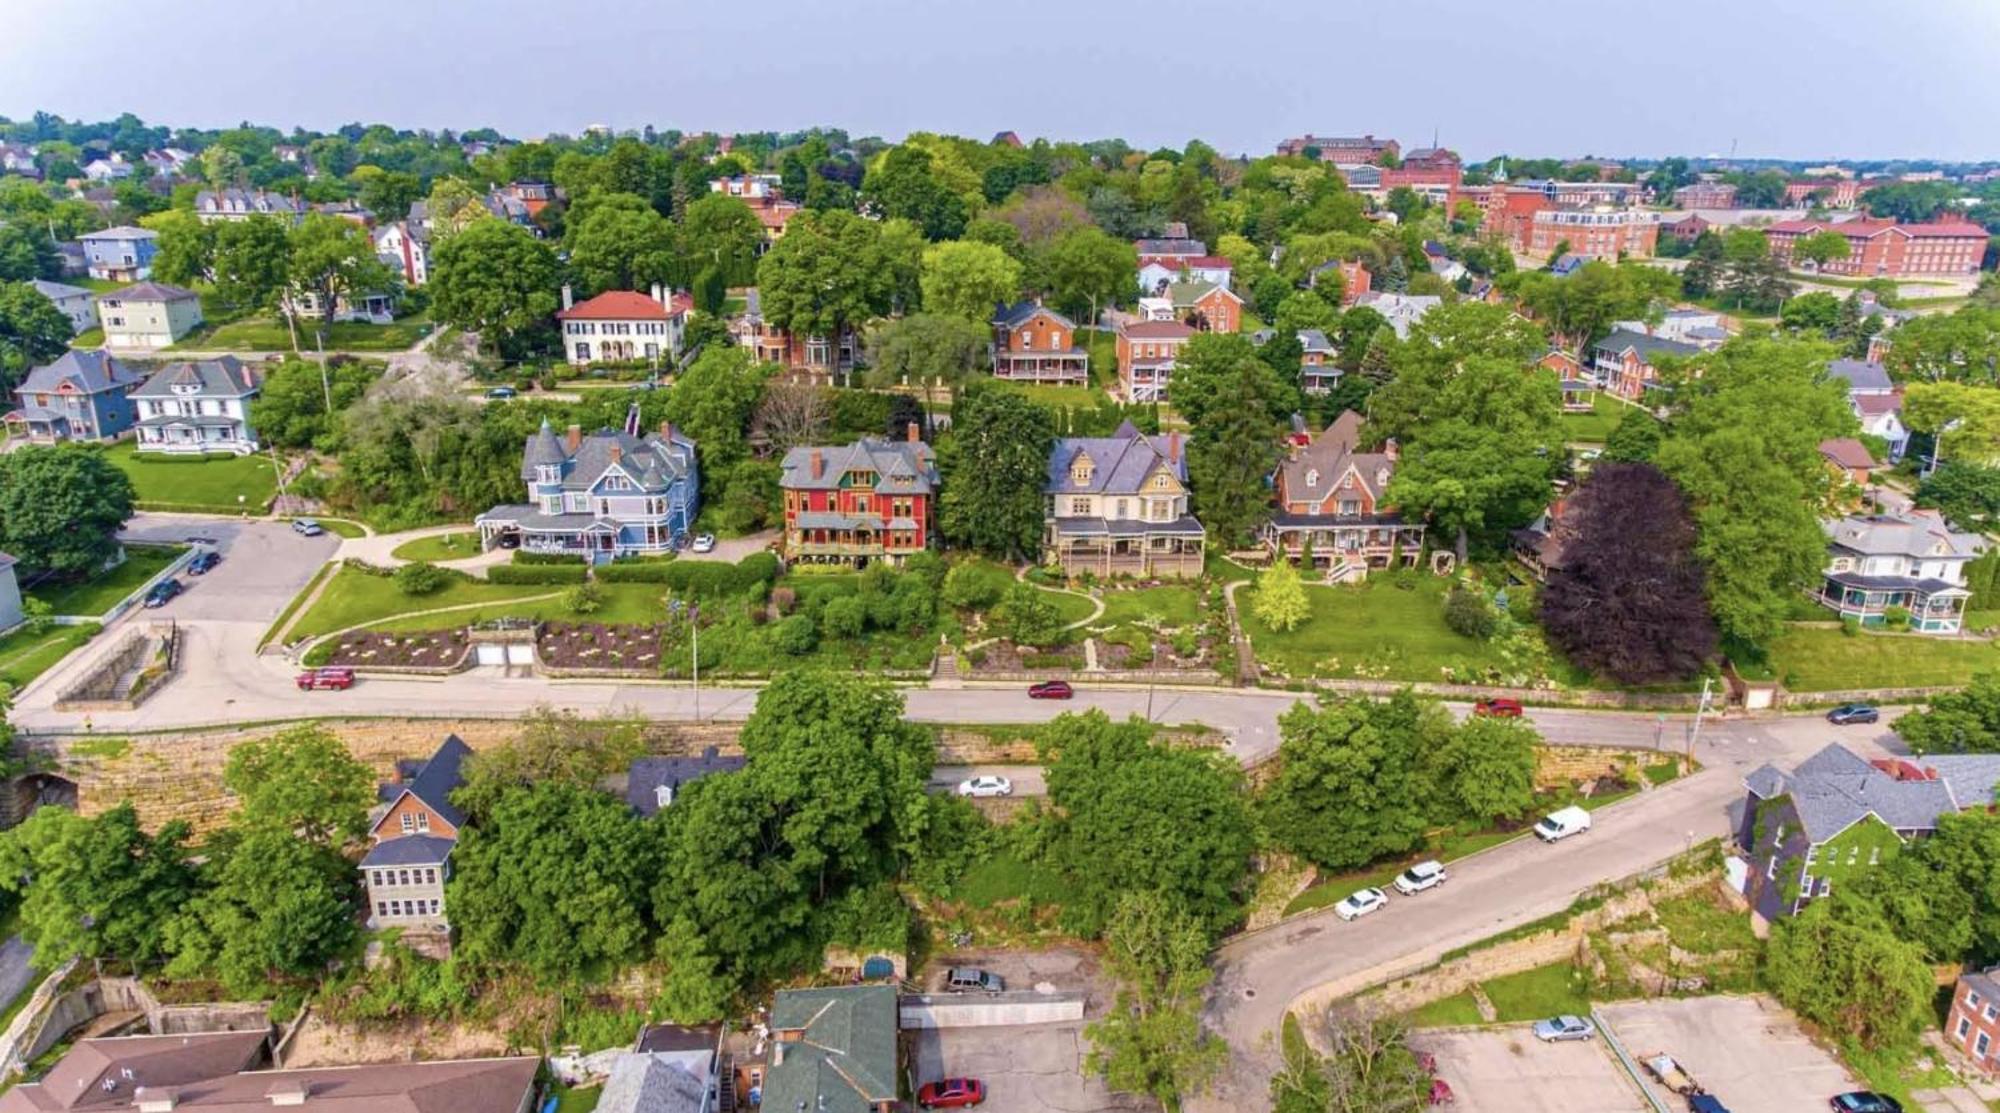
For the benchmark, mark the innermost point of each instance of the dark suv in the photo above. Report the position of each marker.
(1851, 713)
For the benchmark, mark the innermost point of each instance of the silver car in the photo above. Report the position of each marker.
(1558, 1028)
(986, 786)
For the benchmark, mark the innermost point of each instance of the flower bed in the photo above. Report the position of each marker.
(428, 649)
(598, 645)
(1003, 656)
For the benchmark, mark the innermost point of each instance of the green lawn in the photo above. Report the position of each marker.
(1165, 606)
(341, 527)
(624, 604)
(269, 334)
(1004, 877)
(1449, 847)
(88, 338)
(577, 1101)
(355, 597)
(441, 546)
(1374, 630)
(224, 484)
(1551, 990)
(25, 656)
(1822, 658)
(100, 593)
(1072, 608)
(1446, 1012)
(1045, 394)
(1593, 427)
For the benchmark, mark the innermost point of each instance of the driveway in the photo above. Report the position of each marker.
(1029, 1068)
(17, 972)
(1503, 1070)
(734, 549)
(1748, 1051)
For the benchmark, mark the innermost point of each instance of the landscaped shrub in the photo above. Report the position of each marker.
(584, 598)
(537, 574)
(1027, 617)
(797, 635)
(845, 617)
(523, 556)
(975, 585)
(699, 578)
(1468, 611)
(1896, 618)
(421, 579)
(926, 566)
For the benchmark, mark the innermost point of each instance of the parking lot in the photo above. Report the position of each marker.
(263, 565)
(1747, 1051)
(1507, 1070)
(1035, 1068)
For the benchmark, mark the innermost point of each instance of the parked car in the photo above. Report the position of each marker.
(1361, 903)
(331, 676)
(163, 593)
(1498, 708)
(951, 1093)
(307, 527)
(1423, 875)
(1865, 1101)
(1557, 1029)
(1850, 713)
(1562, 823)
(1706, 1103)
(500, 393)
(203, 561)
(511, 539)
(1051, 689)
(704, 543)
(987, 785)
(971, 979)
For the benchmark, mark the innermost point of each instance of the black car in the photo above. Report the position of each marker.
(1865, 1101)
(1850, 713)
(163, 593)
(203, 561)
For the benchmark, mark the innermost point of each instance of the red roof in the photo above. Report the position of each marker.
(616, 305)
(1205, 262)
(1158, 330)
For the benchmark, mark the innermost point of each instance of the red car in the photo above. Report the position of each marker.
(1498, 708)
(1051, 689)
(336, 678)
(951, 1093)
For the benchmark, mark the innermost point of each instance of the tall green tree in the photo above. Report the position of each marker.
(270, 907)
(1854, 979)
(32, 332)
(301, 783)
(968, 280)
(1350, 787)
(1232, 451)
(97, 888)
(997, 461)
(1151, 1041)
(904, 183)
(498, 280)
(185, 247)
(823, 275)
(26, 252)
(333, 260)
(924, 349)
(250, 261)
(720, 231)
(61, 508)
(620, 243)
(1089, 270)
(713, 402)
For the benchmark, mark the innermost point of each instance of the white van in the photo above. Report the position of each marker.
(1562, 824)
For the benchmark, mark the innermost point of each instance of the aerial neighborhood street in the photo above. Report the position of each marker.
(501, 611)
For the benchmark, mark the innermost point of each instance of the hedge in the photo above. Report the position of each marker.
(523, 556)
(536, 574)
(699, 578)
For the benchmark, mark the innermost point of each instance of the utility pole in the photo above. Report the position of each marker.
(694, 626)
(1701, 709)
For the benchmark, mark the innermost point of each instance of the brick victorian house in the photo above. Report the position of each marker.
(1974, 1021)
(602, 496)
(1329, 495)
(1622, 363)
(1146, 354)
(1118, 506)
(810, 355)
(1035, 344)
(406, 870)
(850, 504)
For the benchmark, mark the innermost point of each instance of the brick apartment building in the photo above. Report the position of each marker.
(1595, 233)
(1706, 195)
(1146, 354)
(1344, 150)
(1886, 248)
(1974, 1023)
(1828, 193)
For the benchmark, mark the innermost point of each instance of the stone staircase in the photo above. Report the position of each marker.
(944, 670)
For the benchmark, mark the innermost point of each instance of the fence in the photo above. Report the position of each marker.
(985, 1011)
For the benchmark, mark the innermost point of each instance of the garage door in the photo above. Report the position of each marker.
(520, 653)
(492, 654)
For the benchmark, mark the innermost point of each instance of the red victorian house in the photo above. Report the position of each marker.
(1330, 504)
(870, 500)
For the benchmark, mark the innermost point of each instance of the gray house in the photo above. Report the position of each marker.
(1118, 506)
(82, 396)
(198, 407)
(75, 302)
(10, 594)
(603, 496)
(408, 866)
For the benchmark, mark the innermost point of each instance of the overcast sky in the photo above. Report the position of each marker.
(1775, 78)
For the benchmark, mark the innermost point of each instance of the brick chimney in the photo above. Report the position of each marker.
(1389, 448)
(818, 463)
(569, 298)
(1173, 448)
(617, 452)
(913, 433)
(573, 438)
(667, 431)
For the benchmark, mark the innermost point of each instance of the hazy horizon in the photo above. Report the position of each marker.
(1568, 79)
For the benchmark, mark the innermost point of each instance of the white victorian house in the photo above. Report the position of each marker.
(198, 407)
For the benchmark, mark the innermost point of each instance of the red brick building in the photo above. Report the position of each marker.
(1883, 247)
(850, 504)
(1146, 354)
(1344, 150)
(1974, 1021)
(1706, 195)
(1032, 343)
(809, 355)
(1829, 193)
(1594, 233)
(1431, 170)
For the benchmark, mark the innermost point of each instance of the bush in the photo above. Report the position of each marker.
(537, 574)
(844, 618)
(1468, 611)
(699, 578)
(1850, 626)
(1028, 618)
(975, 585)
(523, 556)
(1896, 618)
(584, 598)
(421, 578)
(797, 635)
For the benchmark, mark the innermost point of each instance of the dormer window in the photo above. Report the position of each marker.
(663, 795)
(1312, 477)
(1080, 470)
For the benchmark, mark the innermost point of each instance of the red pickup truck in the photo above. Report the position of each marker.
(339, 679)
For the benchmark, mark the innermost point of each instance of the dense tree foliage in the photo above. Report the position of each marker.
(61, 508)
(996, 463)
(300, 783)
(498, 280)
(1853, 978)
(32, 332)
(1151, 1040)
(97, 888)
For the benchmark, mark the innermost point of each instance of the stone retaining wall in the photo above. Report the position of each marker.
(152, 647)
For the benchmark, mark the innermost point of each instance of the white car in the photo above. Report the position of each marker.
(1423, 875)
(986, 786)
(704, 543)
(1361, 904)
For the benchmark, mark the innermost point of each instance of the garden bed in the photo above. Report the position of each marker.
(443, 650)
(1006, 657)
(600, 646)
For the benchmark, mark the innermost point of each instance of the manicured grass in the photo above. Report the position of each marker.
(1545, 991)
(1164, 606)
(88, 338)
(1004, 877)
(1374, 630)
(577, 1101)
(223, 484)
(1823, 658)
(100, 593)
(1046, 394)
(355, 597)
(1217, 567)
(25, 656)
(1446, 1012)
(97, 285)
(299, 600)
(269, 334)
(440, 546)
(341, 527)
(1593, 427)
(624, 604)
(1072, 608)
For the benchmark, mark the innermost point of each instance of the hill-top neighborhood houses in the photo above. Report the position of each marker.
(601, 496)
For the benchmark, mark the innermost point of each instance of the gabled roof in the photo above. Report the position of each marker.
(844, 1060)
(1621, 341)
(121, 233)
(57, 291)
(1120, 464)
(153, 291)
(617, 305)
(900, 467)
(409, 850)
(224, 377)
(648, 775)
(1184, 294)
(654, 463)
(1171, 247)
(1156, 330)
(1329, 458)
(85, 372)
(1861, 375)
(648, 1083)
(1846, 452)
(1912, 533)
(1021, 312)
(1836, 788)
(439, 777)
(1313, 340)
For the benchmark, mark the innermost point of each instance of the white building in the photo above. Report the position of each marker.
(198, 407)
(402, 251)
(111, 169)
(1911, 560)
(1874, 400)
(1401, 310)
(621, 325)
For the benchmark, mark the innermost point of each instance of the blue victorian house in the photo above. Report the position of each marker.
(82, 396)
(602, 496)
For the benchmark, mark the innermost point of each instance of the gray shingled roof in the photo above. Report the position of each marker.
(902, 467)
(653, 462)
(648, 774)
(1019, 313)
(1647, 346)
(1313, 340)
(1913, 533)
(57, 291)
(1119, 464)
(216, 378)
(643, 1083)
(845, 1060)
(88, 372)
(1836, 788)
(120, 233)
(1329, 457)
(442, 774)
(151, 291)
(1860, 374)
(409, 850)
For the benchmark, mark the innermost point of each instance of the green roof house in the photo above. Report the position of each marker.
(835, 1051)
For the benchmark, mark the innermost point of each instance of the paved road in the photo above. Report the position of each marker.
(17, 972)
(1317, 958)
(1027, 780)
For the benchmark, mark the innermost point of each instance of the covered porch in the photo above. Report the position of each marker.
(1121, 548)
(1934, 606)
(1376, 542)
(1070, 368)
(193, 435)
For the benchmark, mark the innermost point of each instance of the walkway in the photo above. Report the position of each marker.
(379, 549)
